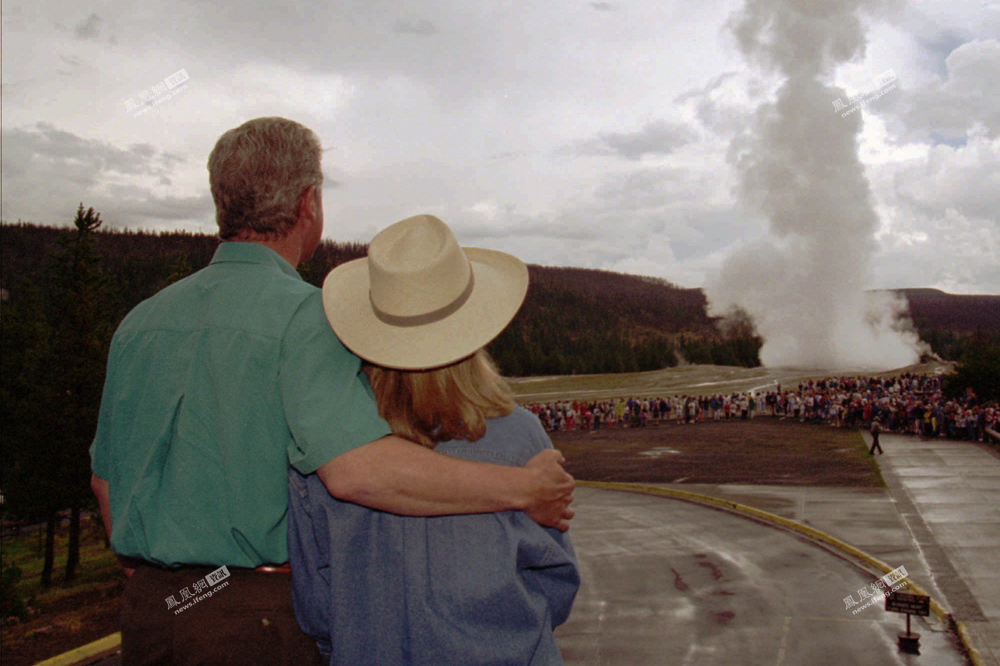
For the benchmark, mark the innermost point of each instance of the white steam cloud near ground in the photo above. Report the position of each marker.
(804, 284)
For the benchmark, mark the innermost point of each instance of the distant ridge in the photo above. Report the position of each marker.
(574, 320)
(961, 313)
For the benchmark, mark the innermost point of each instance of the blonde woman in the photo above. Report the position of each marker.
(377, 588)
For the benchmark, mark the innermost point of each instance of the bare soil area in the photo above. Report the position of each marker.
(765, 451)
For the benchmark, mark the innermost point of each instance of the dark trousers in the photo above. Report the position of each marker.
(875, 444)
(248, 620)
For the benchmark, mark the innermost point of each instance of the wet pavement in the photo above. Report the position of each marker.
(670, 582)
(947, 493)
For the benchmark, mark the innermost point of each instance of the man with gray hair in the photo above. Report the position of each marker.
(215, 386)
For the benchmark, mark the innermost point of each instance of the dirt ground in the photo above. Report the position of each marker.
(766, 451)
(66, 624)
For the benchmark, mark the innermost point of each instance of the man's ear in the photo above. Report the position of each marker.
(307, 203)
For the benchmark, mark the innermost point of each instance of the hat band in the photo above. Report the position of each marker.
(427, 317)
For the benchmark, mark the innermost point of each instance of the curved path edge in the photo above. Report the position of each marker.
(810, 532)
(87, 651)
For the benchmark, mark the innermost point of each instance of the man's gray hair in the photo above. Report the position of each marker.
(257, 173)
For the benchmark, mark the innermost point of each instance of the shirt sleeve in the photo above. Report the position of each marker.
(101, 453)
(547, 562)
(546, 557)
(328, 404)
(308, 550)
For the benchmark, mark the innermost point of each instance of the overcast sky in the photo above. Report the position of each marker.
(573, 133)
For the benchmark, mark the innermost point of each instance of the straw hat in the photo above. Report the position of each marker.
(419, 301)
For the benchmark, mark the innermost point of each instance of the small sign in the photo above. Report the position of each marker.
(911, 604)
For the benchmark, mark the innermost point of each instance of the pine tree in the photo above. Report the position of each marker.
(81, 300)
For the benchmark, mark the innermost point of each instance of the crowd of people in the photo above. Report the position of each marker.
(910, 403)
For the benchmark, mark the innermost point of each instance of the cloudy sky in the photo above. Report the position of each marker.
(568, 132)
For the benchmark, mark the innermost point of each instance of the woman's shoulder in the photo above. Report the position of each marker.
(512, 439)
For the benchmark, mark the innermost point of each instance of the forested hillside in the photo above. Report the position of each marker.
(574, 320)
(945, 321)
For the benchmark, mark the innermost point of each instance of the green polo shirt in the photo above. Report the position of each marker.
(214, 386)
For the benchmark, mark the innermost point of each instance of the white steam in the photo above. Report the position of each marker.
(805, 285)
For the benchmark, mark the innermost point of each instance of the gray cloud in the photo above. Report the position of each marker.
(47, 171)
(713, 84)
(83, 160)
(656, 138)
(421, 27)
(947, 108)
(137, 203)
(604, 6)
(965, 179)
(89, 28)
(943, 224)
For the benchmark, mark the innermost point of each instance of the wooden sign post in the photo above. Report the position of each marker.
(911, 604)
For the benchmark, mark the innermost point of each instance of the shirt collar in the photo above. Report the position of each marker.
(238, 252)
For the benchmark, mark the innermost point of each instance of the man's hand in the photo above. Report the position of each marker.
(553, 492)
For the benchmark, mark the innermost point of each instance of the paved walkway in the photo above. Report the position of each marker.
(948, 493)
(670, 582)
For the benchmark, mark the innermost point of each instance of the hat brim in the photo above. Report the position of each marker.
(501, 282)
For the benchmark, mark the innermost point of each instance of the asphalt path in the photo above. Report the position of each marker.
(669, 582)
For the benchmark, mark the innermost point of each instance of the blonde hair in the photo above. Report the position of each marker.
(431, 406)
(257, 173)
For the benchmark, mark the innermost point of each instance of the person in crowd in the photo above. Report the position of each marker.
(901, 404)
(373, 588)
(876, 428)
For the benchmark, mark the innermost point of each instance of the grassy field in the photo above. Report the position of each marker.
(96, 563)
(65, 615)
(684, 380)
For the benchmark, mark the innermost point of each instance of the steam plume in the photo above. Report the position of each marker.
(805, 284)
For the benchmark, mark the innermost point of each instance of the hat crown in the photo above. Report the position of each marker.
(416, 267)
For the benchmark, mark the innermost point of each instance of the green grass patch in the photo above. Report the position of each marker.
(863, 452)
(683, 380)
(98, 565)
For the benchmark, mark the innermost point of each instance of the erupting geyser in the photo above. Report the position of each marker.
(805, 283)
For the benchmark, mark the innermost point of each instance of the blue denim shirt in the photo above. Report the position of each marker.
(376, 588)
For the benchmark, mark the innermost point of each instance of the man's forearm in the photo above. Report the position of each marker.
(392, 474)
(100, 488)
